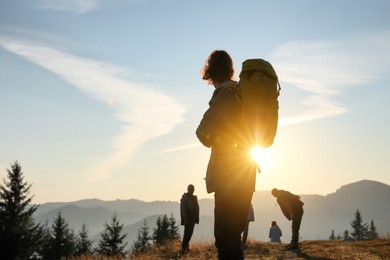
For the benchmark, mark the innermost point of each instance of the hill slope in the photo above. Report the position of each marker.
(322, 214)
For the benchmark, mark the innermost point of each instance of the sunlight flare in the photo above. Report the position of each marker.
(261, 156)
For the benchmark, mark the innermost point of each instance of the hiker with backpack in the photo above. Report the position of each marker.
(231, 173)
(292, 208)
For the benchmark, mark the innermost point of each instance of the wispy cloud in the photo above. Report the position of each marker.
(181, 148)
(325, 69)
(145, 112)
(73, 6)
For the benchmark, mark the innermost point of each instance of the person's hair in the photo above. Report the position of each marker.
(273, 223)
(218, 67)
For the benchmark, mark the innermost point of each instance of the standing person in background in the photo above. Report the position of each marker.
(231, 174)
(274, 232)
(189, 212)
(292, 207)
(249, 218)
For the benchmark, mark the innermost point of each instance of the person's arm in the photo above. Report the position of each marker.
(212, 129)
(183, 210)
(285, 207)
(208, 126)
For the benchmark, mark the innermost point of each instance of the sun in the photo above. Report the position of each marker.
(261, 156)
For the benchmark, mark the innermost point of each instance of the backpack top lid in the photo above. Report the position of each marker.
(259, 65)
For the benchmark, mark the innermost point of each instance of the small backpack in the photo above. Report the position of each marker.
(258, 92)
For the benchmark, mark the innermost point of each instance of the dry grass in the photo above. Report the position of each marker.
(324, 250)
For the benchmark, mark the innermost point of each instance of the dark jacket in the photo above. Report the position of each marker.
(189, 209)
(221, 128)
(289, 203)
(251, 214)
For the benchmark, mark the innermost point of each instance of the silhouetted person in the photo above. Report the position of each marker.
(249, 218)
(292, 208)
(231, 174)
(274, 232)
(189, 212)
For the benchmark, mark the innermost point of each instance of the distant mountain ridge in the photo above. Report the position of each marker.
(323, 214)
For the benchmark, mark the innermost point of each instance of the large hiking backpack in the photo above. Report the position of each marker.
(258, 92)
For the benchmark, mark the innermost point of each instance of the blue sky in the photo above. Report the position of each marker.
(101, 99)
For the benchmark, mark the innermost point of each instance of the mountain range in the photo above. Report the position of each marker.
(322, 214)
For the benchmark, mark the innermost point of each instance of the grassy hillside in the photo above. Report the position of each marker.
(324, 250)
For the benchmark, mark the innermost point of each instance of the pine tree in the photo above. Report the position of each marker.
(157, 232)
(142, 243)
(43, 251)
(62, 242)
(332, 237)
(360, 230)
(166, 230)
(83, 244)
(161, 233)
(19, 235)
(173, 229)
(373, 232)
(346, 236)
(111, 242)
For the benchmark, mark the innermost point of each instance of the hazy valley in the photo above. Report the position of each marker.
(323, 214)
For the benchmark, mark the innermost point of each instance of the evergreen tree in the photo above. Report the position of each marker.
(157, 232)
(346, 236)
(173, 229)
(62, 242)
(166, 230)
(43, 251)
(142, 243)
(373, 232)
(83, 244)
(360, 230)
(332, 237)
(161, 233)
(19, 235)
(111, 242)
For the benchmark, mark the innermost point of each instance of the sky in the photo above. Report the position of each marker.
(101, 99)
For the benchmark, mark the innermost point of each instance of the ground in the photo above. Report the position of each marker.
(317, 250)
